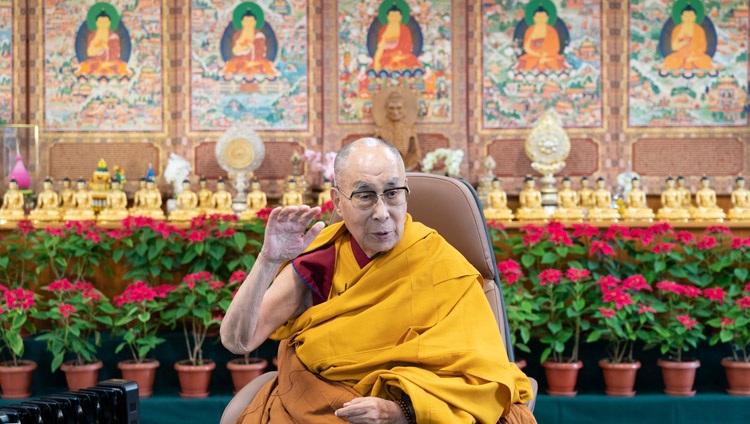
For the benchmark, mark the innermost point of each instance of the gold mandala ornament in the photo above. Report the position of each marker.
(548, 145)
(240, 151)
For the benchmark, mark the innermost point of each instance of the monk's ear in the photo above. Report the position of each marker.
(336, 198)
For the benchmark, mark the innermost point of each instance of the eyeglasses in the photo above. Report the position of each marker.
(368, 199)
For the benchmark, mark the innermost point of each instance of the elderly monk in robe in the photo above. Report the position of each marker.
(381, 320)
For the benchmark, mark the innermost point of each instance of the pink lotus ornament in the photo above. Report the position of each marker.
(20, 174)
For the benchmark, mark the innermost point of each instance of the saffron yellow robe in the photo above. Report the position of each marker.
(414, 320)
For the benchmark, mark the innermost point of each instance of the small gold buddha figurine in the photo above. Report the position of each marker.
(256, 200)
(83, 209)
(740, 210)
(497, 203)
(222, 199)
(671, 201)
(636, 206)
(325, 193)
(139, 197)
(47, 205)
(602, 210)
(530, 200)
(705, 201)
(12, 209)
(291, 196)
(187, 204)
(66, 195)
(152, 201)
(585, 195)
(686, 197)
(116, 207)
(205, 196)
(567, 204)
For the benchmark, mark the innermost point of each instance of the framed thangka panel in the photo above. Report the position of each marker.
(6, 61)
(539, 55)
(383, 43)
(249, 63)
(103, 66)
(687, 63)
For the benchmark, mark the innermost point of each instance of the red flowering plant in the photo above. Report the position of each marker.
(676, 326)
(151, 250)
(16, 255)
(196, 304)
(137, 320)
(74, 313)
(16, 307)
(519, 304)
(74, 250)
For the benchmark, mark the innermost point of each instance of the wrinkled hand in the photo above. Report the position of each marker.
(285, 235)
(371, 410)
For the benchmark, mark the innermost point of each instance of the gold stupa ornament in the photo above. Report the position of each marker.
(547, 146)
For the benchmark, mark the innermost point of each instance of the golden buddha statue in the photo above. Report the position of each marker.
(585, 195)
(187, 204)
(740, 210)
(66, 195)
(139, 197)
(705, 200)
(152, 202)
(116, 207)
(686, 197)
(636, 207)
(291, 196)
(325, 193)
(222, 199)
(497, 203)
(603, 210)
(671, 202)
(205, 196)
(256, 200)
(567, 204)
(47, 205)
(530, 200)
(12, 209)
(82, 211)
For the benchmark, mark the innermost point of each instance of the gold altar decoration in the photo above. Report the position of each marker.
(47, 205)
(636, 208)
(530, 199)
(256, 200)
(603, 210)
(672, 205)
(547, 146)
(240, 151)
(705, 204)
(99, 186)
(567, 204)
(186, 207)
(497, 203)
(740, 210)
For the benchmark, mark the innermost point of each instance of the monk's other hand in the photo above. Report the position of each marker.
(371, 410)
(285, 235)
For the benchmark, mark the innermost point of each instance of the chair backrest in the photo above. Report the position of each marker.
(451, 206)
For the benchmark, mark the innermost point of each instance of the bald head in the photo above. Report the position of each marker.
(340, 165)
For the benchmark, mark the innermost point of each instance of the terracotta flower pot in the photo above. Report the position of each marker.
(142, 373)
(81, 376)
(194, 379)
(738, 376)
(678, 376)
(619, 379)
(561, 377)
(243, 373)
(16, 380)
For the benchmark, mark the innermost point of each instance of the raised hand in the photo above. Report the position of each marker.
(285, 235)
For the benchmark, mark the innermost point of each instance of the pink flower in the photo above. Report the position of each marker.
(94, 295)
(660, 228)
(214, 285)
(533, 238)
(490, 224)
(669, 286)
(19, 298)
(66, 310)
(686, 321)
(726, 321)
(576, 275)
(25, 226)
(614, 231)
(736, 243)
(60, 285)
(238, 276)
(642, 309)
(636, 282)
(618, 296)
(510, 271)
(747, 287)
(606, 312)
(196, 236)
(662, 247)
(602, 246)
(93, 236)
(549, 276)
(560, 237)
(716, 294)
(706, 243)
(606, 282)
(718, 229)
(685, 237)
(58, 232)
(229, 232)
(586, 230)
(691, 291)
(744, 303)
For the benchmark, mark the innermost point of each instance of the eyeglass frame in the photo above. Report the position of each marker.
(379, 196)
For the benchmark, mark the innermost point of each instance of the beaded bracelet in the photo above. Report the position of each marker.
(405, 404)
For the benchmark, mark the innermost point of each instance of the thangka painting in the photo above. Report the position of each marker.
(382, 43)
(103, 66)
(249, 63)
(6, 61)
(539, 55)
(688, 63)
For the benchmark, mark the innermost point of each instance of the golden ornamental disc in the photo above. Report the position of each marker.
(239, 153)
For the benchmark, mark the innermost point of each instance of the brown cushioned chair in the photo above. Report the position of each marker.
(451, 207)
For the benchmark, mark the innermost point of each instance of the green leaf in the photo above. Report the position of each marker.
(594, 336)
(240, 240)
(527, 260)
(741, 273)
(549, 257)
(554, 327)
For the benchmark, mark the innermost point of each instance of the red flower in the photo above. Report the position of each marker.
(576, 275)
(636, 282)
(586, 230)
(691, 291)
(55, 231)
(707, 243)
(606, 282)
(614, 231)
(263, 214)
(492, 223)
(716, 294)
(560, 237)
(662, 247)
(726, 321)
(603, 246)
(60, 285)
(744, 303)
(669, 286)
(718, 229)
(618, 296)
(660, 228)
(196, 236)
(93, 236)
(642, 309)
(606, 312)
(19, 298)
(66, 310)
(685, 237)
(213, 285)
(510, 270)
(238, 276)
(686, 321)
(229, 232)
(736, 243)
(25, 226)
(549, 276)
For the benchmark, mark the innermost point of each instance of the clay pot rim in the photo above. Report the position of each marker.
(693, 363)
(186, 364)
(25, 364)
(606, 362)
(240, 363)
(551, 364)
(131, 363)
(69, 365)
(731, 362)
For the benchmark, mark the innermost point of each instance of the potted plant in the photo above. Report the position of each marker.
(137, 324)
(625, 312)
(74, 250)
(247, 368)
(519, 306)
(16, 306)
(191, 305)
(74, 313)
(150, 250)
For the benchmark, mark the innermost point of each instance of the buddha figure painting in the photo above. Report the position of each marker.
(542, 37)
(688, 42)
(249, 44)
(103, 45)
(394, 41)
